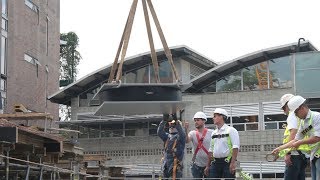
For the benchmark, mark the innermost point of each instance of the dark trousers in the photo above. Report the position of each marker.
(297, 170)
(197, 171)
(219, 168)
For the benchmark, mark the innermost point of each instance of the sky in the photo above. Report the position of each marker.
(219, 30)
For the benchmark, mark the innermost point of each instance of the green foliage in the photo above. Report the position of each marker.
(69, 56)
(69, 60)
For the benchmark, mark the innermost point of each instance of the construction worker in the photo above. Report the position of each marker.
(296, 160)
(175, 142)
(308, 133)
(224, 147)
(200, 139)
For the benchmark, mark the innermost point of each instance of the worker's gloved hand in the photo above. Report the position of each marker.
(169, 117)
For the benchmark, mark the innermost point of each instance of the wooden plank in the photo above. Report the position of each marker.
(29, 116)
(30, 139)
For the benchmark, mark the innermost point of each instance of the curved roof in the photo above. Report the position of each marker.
(94, 79)
(206, 78)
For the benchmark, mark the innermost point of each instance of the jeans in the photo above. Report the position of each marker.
(220, 169)
(197, 171)
(297, 170)
(315, 169)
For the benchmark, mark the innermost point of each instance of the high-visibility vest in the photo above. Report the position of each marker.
(310, 128)
(305, 148)
(228, 142)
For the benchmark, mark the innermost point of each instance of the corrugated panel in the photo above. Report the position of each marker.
(263, 167)
(208, 110)
(245, 110)
(272, 108)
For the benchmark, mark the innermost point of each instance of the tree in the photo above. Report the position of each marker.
(69, 60)
(69, 57)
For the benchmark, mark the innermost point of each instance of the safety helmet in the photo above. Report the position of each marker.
(200, 115)
(220, 111)
(295, 102)
(284, 99)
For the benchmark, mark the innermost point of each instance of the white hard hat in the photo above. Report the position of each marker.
(200, 115)
(284, 99)
(295, 102)
(220, 111)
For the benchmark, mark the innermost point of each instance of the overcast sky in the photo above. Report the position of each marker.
(220, 30)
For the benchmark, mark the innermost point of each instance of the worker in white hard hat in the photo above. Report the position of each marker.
(224, 147)
(200, 138)
(296, 160)
(174, 144)
(308, 133)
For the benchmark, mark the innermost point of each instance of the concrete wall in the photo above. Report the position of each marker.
(27, 33)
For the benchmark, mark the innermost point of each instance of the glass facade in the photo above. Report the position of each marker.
(307, 73)
(265, 75)
(280, 73)
(146, 74)
(165, 73)
(138, 76)
(231, 82)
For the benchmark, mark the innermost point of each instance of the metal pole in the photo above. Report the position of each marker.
(71, 168)
(41, 169)
(7, 164)
(28, 168)
(54, 172)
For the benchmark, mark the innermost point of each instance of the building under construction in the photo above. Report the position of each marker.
(248, 87)
(122, 145)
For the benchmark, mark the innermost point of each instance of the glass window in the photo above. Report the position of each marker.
(307, 61)
(136, 125)
(112, 130)
(131, 132)
(276, 121)
(245, 123)
(31, 5)
(138, 76)
(307, 74)
(231, 82)
(4, 24)
(4, 7)
(165, 72)
(84, 132)
(280, 73)
(31, 59)
(210, 88)
(3, 55)
(256, 77)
